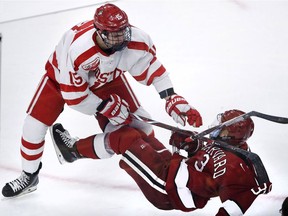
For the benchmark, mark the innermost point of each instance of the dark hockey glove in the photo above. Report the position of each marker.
(115, 109)
(185, 142)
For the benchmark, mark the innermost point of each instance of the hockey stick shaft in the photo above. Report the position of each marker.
(276, 119)
(161, 125)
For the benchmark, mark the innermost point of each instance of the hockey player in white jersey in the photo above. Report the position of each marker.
(86, 72)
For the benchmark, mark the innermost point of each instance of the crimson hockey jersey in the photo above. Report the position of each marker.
(213, 172)
(81, 67)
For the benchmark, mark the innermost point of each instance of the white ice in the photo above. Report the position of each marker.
(220, 54)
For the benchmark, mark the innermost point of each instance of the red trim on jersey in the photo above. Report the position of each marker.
(31, 157)
(138, 46)
(50, 71)
(83, 29)
(133, 96)
(31, 146)
(72, 88)
(82, 26)
(153, 51)
(54, 60)
(153, 60)
(142, 76)
(75, 101)
(157, 73)
(83, 57)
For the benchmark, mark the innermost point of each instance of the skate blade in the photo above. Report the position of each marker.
(27, 191)
(58, 152)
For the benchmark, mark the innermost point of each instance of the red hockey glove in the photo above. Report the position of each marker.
(185, 142)
(115, 109)
(179, 109)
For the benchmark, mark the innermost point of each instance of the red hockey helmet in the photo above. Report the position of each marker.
(110, 18)
(112, 27)
(235, 134)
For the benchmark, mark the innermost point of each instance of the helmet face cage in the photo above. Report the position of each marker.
(237, 133)
(214, 134)
(115, 41)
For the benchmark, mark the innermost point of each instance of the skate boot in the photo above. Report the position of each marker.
(64, 144)
(26, 183)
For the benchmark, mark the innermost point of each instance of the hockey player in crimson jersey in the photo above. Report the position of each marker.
(171, 181)
(86, 72)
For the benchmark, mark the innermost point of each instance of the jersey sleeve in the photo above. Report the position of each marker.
(237, 204)
(147, 69)
(238, 193)
(74, 87)
(176, 186)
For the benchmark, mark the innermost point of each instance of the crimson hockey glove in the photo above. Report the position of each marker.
(115, 109)
(179, 109)
(185, 142)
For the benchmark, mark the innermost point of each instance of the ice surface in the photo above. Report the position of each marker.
(220, 54)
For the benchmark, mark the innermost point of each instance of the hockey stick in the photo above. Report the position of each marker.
(242, 117)
(250, 158)
(276, 119)
(160, 124)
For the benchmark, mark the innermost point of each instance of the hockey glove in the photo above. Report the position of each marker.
(180, 110)
(185, 142)
(115, 109)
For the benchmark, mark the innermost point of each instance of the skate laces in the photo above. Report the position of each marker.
(66, 138)
(20, 183)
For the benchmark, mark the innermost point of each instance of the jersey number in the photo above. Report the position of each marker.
(75, 79)
(199, 165)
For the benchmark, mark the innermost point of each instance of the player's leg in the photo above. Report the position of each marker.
(143, 163)
(44, 108)
(68, 150)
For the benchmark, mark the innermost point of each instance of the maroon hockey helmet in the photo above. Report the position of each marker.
(237, 133)
(110, 18)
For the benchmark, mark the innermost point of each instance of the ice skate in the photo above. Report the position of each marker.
(64, 144)
(26, 183)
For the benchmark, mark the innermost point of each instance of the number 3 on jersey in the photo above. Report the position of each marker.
(199, 165)
(75, 79)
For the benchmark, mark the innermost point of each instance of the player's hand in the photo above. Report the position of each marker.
(180, 110)
(115, 109)
(185, 142)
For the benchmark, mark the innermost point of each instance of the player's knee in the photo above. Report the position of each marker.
(120, 140)
(34, 131)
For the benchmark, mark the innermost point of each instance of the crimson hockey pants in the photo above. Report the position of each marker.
(146, 160)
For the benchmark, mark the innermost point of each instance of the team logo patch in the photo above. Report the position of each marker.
(93, 65)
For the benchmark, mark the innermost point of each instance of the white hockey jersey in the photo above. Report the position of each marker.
(81, 67)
